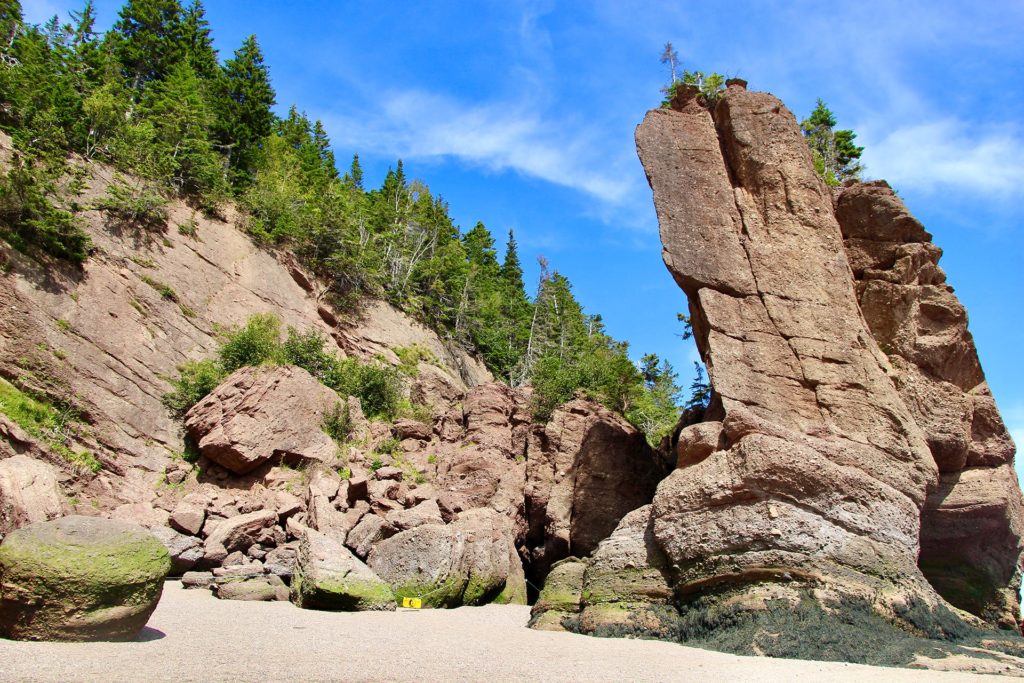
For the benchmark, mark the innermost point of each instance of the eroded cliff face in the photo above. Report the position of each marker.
(852, 468)
(105, 338)
(971, 524)
(459, 497)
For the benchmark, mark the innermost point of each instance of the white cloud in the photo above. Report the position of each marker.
(947, 155)
(496, 136)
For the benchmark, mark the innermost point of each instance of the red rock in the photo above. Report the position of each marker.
(258, 414)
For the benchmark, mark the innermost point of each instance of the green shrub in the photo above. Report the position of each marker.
(389, 446)
(29, 219)
(376, 464)
(257, 343)
(85, 460)
(378, 386)
(306, 349)
(134, 205)
(338, 422)
(189, 228)
(195, 380)
(410, 356)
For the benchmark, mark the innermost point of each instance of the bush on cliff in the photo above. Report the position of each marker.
(258, 342)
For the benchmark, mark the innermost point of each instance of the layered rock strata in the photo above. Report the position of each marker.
(971, 524)
(820, 471)
(840, 447)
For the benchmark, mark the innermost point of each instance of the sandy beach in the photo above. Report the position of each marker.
(193, 636)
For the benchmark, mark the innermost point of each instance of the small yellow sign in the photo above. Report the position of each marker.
(412, 603)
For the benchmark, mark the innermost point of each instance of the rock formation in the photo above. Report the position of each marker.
(261, 414)
(79, 578)
(821, 471)
(850, 430)
(972, 522)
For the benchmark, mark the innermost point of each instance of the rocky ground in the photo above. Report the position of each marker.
(195, 637)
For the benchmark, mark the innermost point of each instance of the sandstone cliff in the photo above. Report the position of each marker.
(106, 338)
(852, 468)
(473, 472)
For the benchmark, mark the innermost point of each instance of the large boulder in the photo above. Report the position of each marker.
(28, 493)
(238, 533)
(185, 551)
(471, 561)
(973, 522)
(587, 468)
(261, 414)
(81, 579)
(329, 577)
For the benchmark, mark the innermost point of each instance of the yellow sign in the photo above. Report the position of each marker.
(412, 603)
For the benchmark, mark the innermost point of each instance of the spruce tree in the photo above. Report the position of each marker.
(243, 115)
(202, 56)
(180, 117)
(354, 177)
(148, 39)
(835, 154)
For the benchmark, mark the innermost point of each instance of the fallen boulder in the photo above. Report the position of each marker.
(79, 579)
(264, 413)
(329, 577)
(471, 561)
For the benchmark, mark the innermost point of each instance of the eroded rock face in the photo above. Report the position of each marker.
(972, 522)
(587, 468)
(28, 493)
(820, 471)
(258, 414)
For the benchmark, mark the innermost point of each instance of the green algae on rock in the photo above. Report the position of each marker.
(79, 579)
(329, 577)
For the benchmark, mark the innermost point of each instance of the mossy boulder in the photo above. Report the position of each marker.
(80, 579)
(329, 577)
(471, 561)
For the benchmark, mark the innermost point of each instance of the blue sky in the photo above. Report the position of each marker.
(521, 114)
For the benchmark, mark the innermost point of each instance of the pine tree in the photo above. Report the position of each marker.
(354, 177)
(243, 114)
(835, 154)
(201, 54)
(148, 39)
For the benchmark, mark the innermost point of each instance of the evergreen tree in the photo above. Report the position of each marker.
(835, 154)
(180, 118)
(148, 39)
(201, 55)
(243, 115)
(354, 177)
(10, 23)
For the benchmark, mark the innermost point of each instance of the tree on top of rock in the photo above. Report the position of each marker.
(711, 86)
(835, 155)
